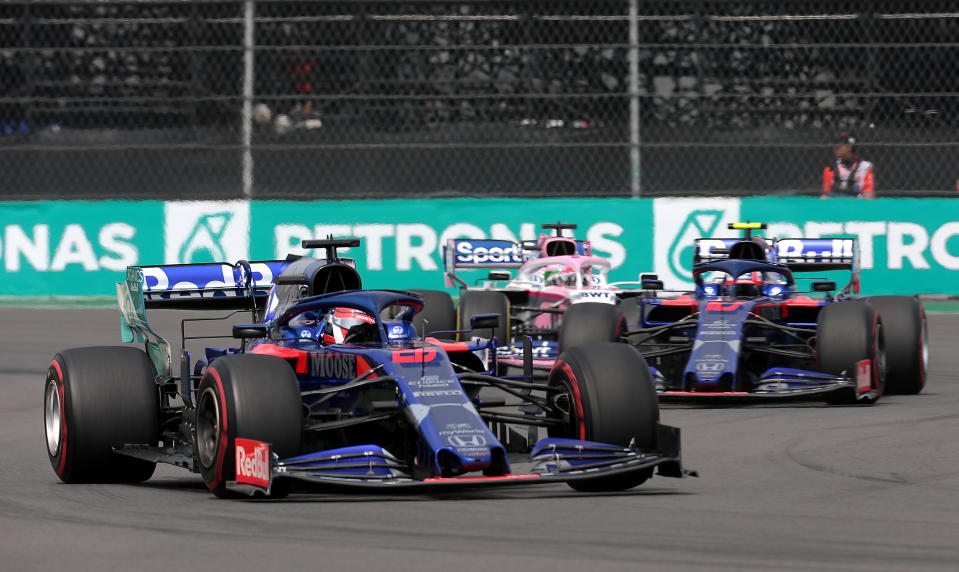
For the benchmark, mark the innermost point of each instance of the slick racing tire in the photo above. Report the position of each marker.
(245, 396)
(591, 322)
(906, 337)
(438, 310)
(604, 392)
(476, 302)
(849, 332)
(95, 399)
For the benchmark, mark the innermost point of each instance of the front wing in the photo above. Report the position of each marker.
(554, 461)
(788, 383)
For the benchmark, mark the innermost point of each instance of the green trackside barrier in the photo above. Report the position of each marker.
(75, 248)
(81, 248)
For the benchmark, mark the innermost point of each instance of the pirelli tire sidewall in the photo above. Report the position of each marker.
(97, 399)
(247, 396)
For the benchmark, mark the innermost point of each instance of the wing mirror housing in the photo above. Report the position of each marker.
(243, 331)
(480, 321)
(652, 284)
(499, 275)
(824, 286)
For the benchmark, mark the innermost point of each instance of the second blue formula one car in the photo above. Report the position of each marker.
(332, 388)
(749, 331)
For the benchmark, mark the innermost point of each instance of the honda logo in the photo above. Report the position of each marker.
(474, 440)
(709, 366)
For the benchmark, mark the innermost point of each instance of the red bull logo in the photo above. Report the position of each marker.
(253, 463)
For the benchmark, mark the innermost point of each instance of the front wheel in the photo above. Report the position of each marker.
(849, 332)
(245, 396)
(907, 342)
(94, 400)
(604, 392)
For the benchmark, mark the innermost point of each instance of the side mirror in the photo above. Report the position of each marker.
(244, 331)
(652, 284)
(499, 275)
(480, 321)
(648, 277)
(825, 286)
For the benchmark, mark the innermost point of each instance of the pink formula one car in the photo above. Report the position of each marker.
(552, 274)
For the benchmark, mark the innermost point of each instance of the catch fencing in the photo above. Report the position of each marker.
(276, 99)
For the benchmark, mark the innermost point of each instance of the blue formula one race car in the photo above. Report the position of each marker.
(749, 331)
(333, 389)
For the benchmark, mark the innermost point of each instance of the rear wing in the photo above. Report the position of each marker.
(216, 285)
(193, 286)
(479, 253)
(469, 253)
(206, 286)
(798, 254)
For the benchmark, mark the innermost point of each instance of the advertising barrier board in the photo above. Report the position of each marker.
(80, 248)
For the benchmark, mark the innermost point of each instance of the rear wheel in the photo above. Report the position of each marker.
(245, 396)
(907, 351)
(476, 302)
(438, 313)
(591, 322)
(605, 393)
(849, 332)
(96, 399)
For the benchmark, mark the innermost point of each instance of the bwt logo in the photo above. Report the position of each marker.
(477, 253)
(474, 440)
(590, 296)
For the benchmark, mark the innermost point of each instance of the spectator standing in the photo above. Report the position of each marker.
(848, 175)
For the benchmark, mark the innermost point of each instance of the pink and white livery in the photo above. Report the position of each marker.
(552, 274)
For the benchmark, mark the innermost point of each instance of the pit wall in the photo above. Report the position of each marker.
(80, 248)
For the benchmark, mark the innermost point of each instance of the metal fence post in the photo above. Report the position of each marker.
(247, 115)
(634, 165)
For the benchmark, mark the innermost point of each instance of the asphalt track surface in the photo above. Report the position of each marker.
(782, 487)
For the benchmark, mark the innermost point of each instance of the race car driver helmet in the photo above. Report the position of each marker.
(746, 286)
(559, 275)
(348, 325)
